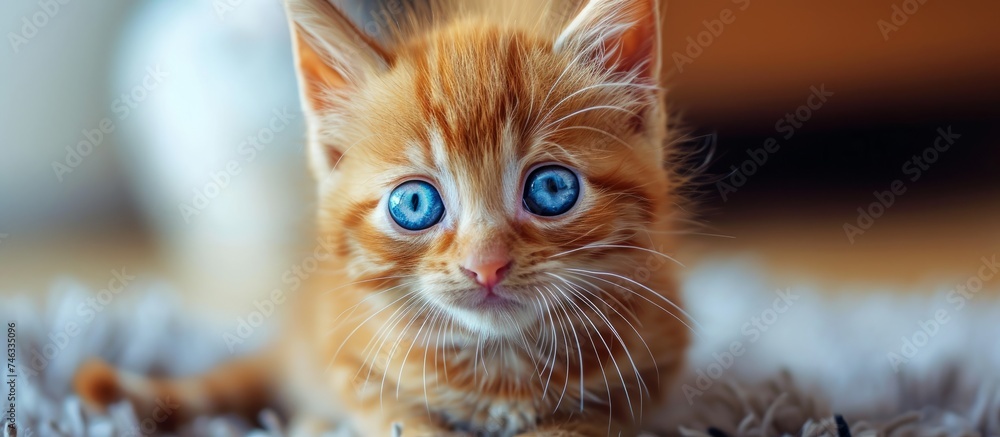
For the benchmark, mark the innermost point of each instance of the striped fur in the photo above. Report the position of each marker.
(471, 104)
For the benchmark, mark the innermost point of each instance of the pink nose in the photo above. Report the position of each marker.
(487, 267)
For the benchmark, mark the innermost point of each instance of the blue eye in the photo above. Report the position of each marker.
(551, 190)
(415, 205)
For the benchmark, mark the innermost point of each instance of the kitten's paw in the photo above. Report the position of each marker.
(507, 417)
(575, 429)
(555, 433)
(405, 431)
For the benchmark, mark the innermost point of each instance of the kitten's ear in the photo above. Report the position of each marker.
(622, 35)
(332, 58)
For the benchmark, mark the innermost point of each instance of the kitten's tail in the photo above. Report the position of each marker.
(243, 387)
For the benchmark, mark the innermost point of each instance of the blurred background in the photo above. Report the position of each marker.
(165, 139)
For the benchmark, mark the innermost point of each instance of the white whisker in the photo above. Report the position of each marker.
(664, 298)
(618, 246)
(621, 341)
(588, 109)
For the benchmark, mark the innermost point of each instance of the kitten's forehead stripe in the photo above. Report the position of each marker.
(450, 76)
(422, 86)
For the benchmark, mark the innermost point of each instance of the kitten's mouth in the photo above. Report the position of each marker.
(497, 299)
(504, 311)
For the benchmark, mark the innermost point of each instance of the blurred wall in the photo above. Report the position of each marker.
(54, 84)
(739, 63)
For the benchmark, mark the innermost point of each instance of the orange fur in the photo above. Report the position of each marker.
(471, 104)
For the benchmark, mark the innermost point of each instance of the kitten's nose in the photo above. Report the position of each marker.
(487, 267)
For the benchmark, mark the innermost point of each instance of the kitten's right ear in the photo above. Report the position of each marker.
(332, 58)
(623, 35)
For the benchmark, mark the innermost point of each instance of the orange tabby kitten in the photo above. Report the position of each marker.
(495, 188)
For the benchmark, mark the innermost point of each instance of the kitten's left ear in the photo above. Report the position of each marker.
(332, 58)
(623, 35)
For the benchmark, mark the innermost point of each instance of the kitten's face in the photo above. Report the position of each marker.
(488, 175)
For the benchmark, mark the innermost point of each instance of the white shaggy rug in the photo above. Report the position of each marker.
(770, 359)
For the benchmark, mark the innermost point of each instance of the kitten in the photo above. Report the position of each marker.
(499, 195)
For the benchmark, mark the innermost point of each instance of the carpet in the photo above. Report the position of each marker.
(768, 359)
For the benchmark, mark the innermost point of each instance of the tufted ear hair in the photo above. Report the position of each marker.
(332, 57)
(621, 35)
